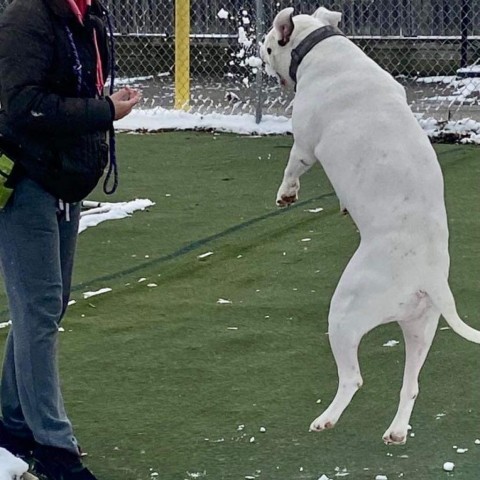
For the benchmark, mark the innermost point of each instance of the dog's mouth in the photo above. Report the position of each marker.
(272, 73)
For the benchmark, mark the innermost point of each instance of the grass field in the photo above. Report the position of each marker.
(162, 379)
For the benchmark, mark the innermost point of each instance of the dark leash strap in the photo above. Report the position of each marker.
(310, 41)
(77, 70)
(113, 167)
(77, 66)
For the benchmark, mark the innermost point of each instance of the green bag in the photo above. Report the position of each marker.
(6, 166)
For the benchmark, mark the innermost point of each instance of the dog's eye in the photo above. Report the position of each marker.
(269, 50)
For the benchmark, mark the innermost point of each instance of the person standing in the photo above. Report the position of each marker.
(54, 119)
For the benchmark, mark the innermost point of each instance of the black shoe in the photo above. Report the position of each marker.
(19, 446)
(58, 464)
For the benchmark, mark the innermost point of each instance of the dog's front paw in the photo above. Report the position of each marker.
(323, 422)
(391, 437)
(288, 193)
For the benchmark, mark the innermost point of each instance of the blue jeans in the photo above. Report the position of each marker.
(37, 247)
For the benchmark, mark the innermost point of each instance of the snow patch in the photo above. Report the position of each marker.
(159, 119)
(223, 14)
(204, 255)
(448, 466)
(98, 292)
(11, 467)
(111, 211)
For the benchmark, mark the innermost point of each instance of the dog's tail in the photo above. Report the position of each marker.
(442, 298)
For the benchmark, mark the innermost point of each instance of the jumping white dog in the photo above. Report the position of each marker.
(352, 117)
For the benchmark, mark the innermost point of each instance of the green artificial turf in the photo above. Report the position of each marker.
(163, 379)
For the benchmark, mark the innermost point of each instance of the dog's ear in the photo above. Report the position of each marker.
(327, 16)
(283, 25)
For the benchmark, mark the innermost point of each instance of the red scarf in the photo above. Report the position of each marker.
(79, 8)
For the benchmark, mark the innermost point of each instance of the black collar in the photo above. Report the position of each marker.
(307, 44)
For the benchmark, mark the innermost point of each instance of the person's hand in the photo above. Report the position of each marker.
(123, 101)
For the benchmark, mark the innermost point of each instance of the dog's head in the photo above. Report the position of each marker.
(287, 32)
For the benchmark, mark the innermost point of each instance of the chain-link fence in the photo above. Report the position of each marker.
(431, 46)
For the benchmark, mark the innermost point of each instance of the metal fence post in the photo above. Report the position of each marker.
(260, 27)
(182, 54)
(464, 28)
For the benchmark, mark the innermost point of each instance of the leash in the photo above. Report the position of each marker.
(77, 67)
(113, 167)
(78, 72)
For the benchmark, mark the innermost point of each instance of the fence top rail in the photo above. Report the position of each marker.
(352, 37)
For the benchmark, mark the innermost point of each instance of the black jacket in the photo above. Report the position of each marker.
(54, 132)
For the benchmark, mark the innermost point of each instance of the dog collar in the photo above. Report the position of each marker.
(307, 44)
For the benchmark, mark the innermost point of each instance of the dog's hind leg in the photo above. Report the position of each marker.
(351, 317)
(418, 336)
(344, 342)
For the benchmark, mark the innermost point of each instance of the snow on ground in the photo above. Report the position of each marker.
(472, 70)
(164, 119)
(460, 90)
(158, 119)
(111, 211)
(11, 467)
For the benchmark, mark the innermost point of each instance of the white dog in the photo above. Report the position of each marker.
(352, 117)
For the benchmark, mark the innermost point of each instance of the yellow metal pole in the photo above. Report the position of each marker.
(182, 54)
